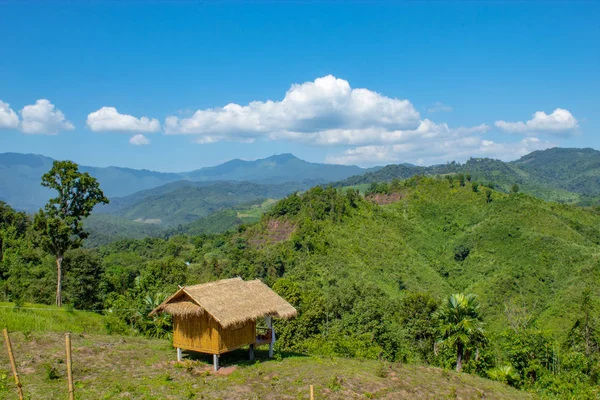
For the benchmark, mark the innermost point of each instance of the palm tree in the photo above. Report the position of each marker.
(460, 325)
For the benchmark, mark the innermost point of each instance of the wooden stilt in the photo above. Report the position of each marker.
(312, 392)
(272, 342)
(69, 366)
(251, 352)
(216, 361)
(12, 363)
(179, 355)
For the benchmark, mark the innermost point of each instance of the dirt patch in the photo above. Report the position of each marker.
(275, 231)
(224, 371)
(383, 199)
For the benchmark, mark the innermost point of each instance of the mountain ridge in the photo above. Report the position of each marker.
(20, 176)
(567, 175)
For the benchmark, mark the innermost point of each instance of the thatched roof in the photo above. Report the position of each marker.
(229, 301)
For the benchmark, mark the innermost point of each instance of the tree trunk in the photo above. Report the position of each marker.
(59, 260)
(459, 357)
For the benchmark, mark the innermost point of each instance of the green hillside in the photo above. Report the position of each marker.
(225, 220)
(368, 276)
(106, 228)
(558, 174)
(182, 202)
(518, 246)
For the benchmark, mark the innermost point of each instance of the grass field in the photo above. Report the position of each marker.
(115, 367)
(112, 367)
(42, 318)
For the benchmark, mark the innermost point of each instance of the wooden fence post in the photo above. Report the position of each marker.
(312, 392)
(69, 366)
(12, 363)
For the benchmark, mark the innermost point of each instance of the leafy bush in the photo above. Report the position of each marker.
(461, 252)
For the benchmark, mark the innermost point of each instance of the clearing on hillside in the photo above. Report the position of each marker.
(115, 367)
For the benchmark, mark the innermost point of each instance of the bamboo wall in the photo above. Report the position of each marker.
(205, 335)
(234, 338)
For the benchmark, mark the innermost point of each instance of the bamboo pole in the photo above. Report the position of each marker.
(312, 392)
(12, 363)
(69, 366)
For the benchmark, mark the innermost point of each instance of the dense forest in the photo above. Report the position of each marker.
(443, 271)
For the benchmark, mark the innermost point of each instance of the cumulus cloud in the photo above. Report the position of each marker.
(560, 123)
(327, 105)
(438, 106)
(8, 117)
(426, 129)
(109, 119)
(139, 140)
(455, 148)
(43, 118)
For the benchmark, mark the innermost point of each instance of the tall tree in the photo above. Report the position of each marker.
(460, 326)
(60, 222)
(584, 332)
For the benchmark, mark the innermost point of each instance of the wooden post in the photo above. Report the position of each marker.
(270, 324)
(312, 392)
(179, 355)
(216, 361)
(252, 352)
(12, 363)
(69, 366)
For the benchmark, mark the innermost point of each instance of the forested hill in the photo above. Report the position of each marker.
(183, 201)
(20, 176)
(368, 276)
(558, 174)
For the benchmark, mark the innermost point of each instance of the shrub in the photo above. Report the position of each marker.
(51, 372)
(461, 252)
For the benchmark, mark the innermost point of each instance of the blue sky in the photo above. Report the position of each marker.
(421, 82)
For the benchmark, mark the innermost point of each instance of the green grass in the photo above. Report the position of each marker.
(228, 219)
(42, 318)
(362, 187)
(112, 367)
(105, 228)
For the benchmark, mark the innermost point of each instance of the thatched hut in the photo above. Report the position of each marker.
(219, 317)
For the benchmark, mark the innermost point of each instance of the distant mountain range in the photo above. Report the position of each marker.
(20, 176)
(182, 202)
(214, 199)
(558, 174)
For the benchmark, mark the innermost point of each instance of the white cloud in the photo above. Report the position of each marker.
(8, 117)
(426, 129)
(482, 128)
(455, 148)
(438, 106)
(139, 140)
(109, 119)
(560, 123)
(328, 105)
(43, 118)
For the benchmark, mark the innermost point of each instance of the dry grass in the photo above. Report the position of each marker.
(112, 367)
(277, 230)
(383, 199)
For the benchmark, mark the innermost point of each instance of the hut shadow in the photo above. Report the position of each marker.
(240, 357)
